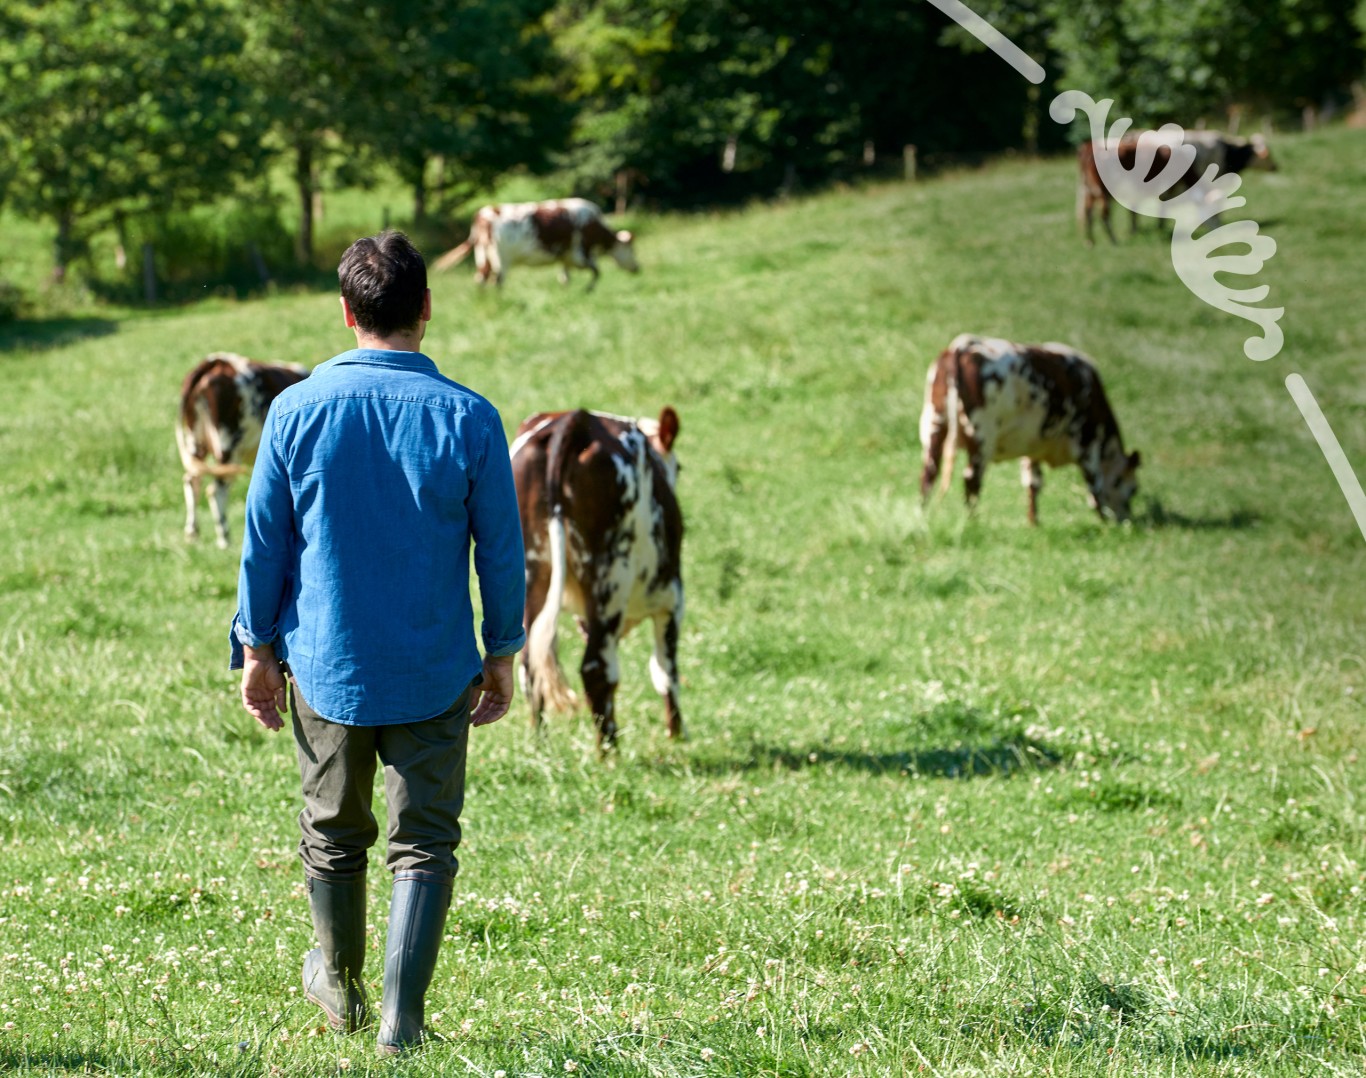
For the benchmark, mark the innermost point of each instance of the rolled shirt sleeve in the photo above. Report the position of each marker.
(499, 563)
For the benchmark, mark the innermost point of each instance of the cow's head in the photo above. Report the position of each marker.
(662, 433)
(1261, 154)
(1118, 484)
(623, 250)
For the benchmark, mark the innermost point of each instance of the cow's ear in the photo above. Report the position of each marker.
(668, 427)
(1135, 459)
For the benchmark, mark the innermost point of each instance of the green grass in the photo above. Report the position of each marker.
(959, 796)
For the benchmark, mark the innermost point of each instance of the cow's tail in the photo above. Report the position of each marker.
(951, 399)
(454, 256)
(543, 662)
(939, 423)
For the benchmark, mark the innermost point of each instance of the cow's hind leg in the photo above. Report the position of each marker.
(219, 490)
(601, 671)
(192, 492)
(1105, 217)
(937, 427)
(1031, 478)
(972, 474)
(664, 669)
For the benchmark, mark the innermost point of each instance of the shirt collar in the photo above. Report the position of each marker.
(381, 357)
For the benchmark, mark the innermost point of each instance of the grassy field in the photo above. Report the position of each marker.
(959, 796)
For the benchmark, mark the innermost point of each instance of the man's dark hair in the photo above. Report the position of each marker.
(384, 280)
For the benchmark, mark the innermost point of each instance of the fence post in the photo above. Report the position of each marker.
(908, 159)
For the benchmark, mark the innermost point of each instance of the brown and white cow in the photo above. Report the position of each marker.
(223, 403)
(603, 535)
(568, 231)
(1226, 153)
(1043, 403)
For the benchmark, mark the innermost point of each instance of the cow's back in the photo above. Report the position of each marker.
(1044, 401)
(623, 523)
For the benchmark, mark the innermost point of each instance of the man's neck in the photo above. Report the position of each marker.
(396, 342)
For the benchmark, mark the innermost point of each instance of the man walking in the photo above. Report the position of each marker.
(373, 477)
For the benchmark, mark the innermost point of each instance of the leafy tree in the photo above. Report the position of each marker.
(466, 80)
(120, 107)
(1184, 62)
(726, 99)
(310, 60)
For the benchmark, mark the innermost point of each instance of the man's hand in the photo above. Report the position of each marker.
(263, 686)
(492, 699)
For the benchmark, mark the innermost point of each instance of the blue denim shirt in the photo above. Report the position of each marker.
(372, 478)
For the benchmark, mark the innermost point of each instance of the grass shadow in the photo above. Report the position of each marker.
(1157, 515)
(40, 334)
(998, 757)
(78, 1061)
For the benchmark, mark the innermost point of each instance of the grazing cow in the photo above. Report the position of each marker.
(223, 402)
(568, 231)
(603, 535)
(1226, 153)
(1043, 403)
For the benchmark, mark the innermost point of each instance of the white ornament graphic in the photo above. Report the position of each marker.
(1196, 259)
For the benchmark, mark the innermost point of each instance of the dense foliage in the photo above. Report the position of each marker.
(130, 110)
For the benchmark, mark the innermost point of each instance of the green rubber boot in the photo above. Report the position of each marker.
(332, 971)
(417, 918)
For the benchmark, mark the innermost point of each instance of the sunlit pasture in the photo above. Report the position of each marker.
(958, 796)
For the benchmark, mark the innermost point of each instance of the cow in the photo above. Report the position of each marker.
(1042, 403)
(223, 402)
(603, 535)
(1228, 154)
(568, 231)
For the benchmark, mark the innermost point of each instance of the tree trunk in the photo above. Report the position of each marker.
(1030, 134)
(258, 262)
(303, 180)
(149, 274)
(439, 182)
(61, 247)
(420, 193)
(121, 247)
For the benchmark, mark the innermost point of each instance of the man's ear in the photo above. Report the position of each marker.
(347, 317)
(427, 306)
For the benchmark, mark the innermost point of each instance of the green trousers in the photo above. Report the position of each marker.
(424, 785)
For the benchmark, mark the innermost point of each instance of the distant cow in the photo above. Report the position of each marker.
(1043, 403)
(568, 231)
(603, 535)
(1226, 153)
(223, 402)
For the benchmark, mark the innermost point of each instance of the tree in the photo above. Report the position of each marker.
(469, 81)
(310, 61)
(122, 107)
(714, 98)
(1184, 62)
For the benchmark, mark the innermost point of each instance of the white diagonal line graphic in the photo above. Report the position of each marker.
(1332, 450)
(992, 38)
